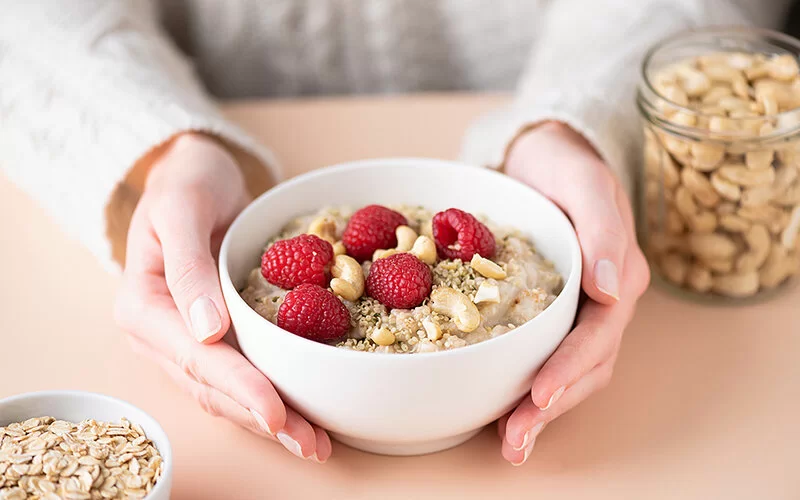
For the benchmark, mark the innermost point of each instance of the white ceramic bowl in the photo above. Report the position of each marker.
(392, 403)
(75, 406)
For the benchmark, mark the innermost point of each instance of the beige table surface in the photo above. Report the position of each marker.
(704, 402)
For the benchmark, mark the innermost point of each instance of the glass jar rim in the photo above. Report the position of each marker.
(649, 110)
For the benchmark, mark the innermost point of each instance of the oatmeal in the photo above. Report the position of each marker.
(409, 281)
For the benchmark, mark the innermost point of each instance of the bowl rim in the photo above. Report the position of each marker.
(165, 451)
(571, 280)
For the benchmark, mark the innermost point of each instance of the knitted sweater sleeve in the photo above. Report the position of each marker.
(88, 90)
(584, 70)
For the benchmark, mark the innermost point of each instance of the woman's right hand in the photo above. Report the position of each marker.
(171, 304)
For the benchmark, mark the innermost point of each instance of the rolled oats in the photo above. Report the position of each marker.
(45, 458)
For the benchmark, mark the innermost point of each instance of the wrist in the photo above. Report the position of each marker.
(557, 135)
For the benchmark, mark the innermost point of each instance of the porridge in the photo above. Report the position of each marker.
(400, 279)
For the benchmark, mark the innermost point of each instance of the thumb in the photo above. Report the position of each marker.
(184, 226)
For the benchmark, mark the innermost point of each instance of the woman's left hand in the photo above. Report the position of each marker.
(563, 166)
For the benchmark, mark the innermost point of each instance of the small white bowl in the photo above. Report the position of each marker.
(75, 406)
(393, 403)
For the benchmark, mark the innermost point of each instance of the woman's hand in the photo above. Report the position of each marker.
(562, 165)
(171, 302)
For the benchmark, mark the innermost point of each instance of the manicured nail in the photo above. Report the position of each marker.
(205, 318)
(559, 392)
(606, 278)
(529, 437)
(315, 458)
(526, 454)
(262, 423)
(290, 444)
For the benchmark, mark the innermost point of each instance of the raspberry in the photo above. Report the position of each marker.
(460, 235)
(302, 259)
(370, 229)
(400, 281)
(313, 312)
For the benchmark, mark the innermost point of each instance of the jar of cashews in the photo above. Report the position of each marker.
(720, 184)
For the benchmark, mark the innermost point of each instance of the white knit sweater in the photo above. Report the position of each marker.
(88, 87)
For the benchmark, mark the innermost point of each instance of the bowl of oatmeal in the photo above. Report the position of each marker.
(402, 304)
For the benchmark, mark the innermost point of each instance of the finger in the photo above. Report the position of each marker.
(596, 337)
(297, 436)
(184, 224)
(527, 422)
(216, 365)
(501, 426)
(324, 448)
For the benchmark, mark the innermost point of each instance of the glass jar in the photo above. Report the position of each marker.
(720, 186)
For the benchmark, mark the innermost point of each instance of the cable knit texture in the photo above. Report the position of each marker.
(89, 87)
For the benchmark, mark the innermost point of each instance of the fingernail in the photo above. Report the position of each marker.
(205, 318)
(526, 454)
(262, 422)
(606, 278)
(559, 392)
(315, 458)
(290, 444)
(530, 437)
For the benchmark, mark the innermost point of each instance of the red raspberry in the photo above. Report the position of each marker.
(400, 281)
(302, 259)
(370, 229)
(313, 312)
(460, 235)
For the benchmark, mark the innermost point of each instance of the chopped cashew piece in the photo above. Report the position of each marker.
(323, 227)
(487, 292)
(425, 250)
(487, 268)
(348, 278)
(432, 330)
(383, 337)
(456, 305)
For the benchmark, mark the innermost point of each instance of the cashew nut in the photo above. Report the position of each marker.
(734, 223)
(761, 213)
(487, 292)
(744, 176)
(457, 306)
(424, 249)
(756, 196)
(684, 202)
(706, 156)
(699, 278)
(758, 160)
(383, 336)
(716, 93)
(712, 246)
(725, 188)
(703, 222)
(758, 241)
(487, 268)
(323, 227)
(736, 285)
(782, 67)
(718, 265)
(426, 229)
(675, 267)
(348, 278)
(432, 330)
(339, 249)
(405, 241)
(405, 238)
(699, 185)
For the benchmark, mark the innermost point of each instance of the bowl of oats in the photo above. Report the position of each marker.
(76, 444)
(402, 304)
